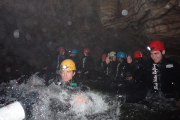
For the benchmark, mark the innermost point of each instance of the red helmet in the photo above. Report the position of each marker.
(86, 50)
(104, 56)
(138, 54)
(61, 49)
(156, 45)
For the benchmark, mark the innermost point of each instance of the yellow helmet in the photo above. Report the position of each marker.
(67, 64)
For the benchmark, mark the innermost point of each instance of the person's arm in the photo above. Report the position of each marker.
(177, 77)
(80, 65)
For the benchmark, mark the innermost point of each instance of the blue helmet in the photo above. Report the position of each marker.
(74, 51)
(121, 55)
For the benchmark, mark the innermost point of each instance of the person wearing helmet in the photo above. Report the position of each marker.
(120, 74)
(136, 63)
(67, 72)
(86, 66)
(121, 66)
(110, 72)
(101, 67)
(163, 74)
(111, 65)
(134, 88)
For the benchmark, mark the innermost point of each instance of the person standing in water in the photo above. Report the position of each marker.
(101, 67)
(163, 74)
(67, 72)
(86, 66)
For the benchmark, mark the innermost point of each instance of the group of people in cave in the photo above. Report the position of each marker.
(134, 78)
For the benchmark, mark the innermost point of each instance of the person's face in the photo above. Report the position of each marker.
(85, 54)
(72, 54)
(157, 56)
(67, 75)
(114, 58)
(119, 59)
(62, 52)
(104, 59)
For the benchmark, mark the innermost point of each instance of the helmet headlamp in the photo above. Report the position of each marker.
(150, 48)
(63, 67)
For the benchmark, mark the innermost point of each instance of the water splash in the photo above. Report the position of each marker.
(55, 103)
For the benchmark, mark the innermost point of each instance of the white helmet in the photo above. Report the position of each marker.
(111, 54)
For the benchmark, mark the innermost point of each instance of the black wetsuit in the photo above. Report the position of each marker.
(164, 78)
(76, 60)
(111, 70)
(118, 83)
(136, 89)
(100, 69)
(87, 64)
(116, 74)
(159, 79)
(70, 87)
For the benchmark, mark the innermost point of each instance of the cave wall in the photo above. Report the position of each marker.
(32, 30)
(147, 20)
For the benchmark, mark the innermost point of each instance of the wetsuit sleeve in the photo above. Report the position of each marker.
(90, 64)
(177, 77)
(80, 65)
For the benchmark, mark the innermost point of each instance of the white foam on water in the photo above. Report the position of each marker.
(55, 103)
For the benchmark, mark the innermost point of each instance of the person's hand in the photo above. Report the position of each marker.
(70, 55)
(45, 68)
(129, 78)
(86, 72)
(107, 60)
(129, 59)
(79, 71)
(80, 98)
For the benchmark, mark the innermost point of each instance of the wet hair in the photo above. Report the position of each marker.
(74, 71)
